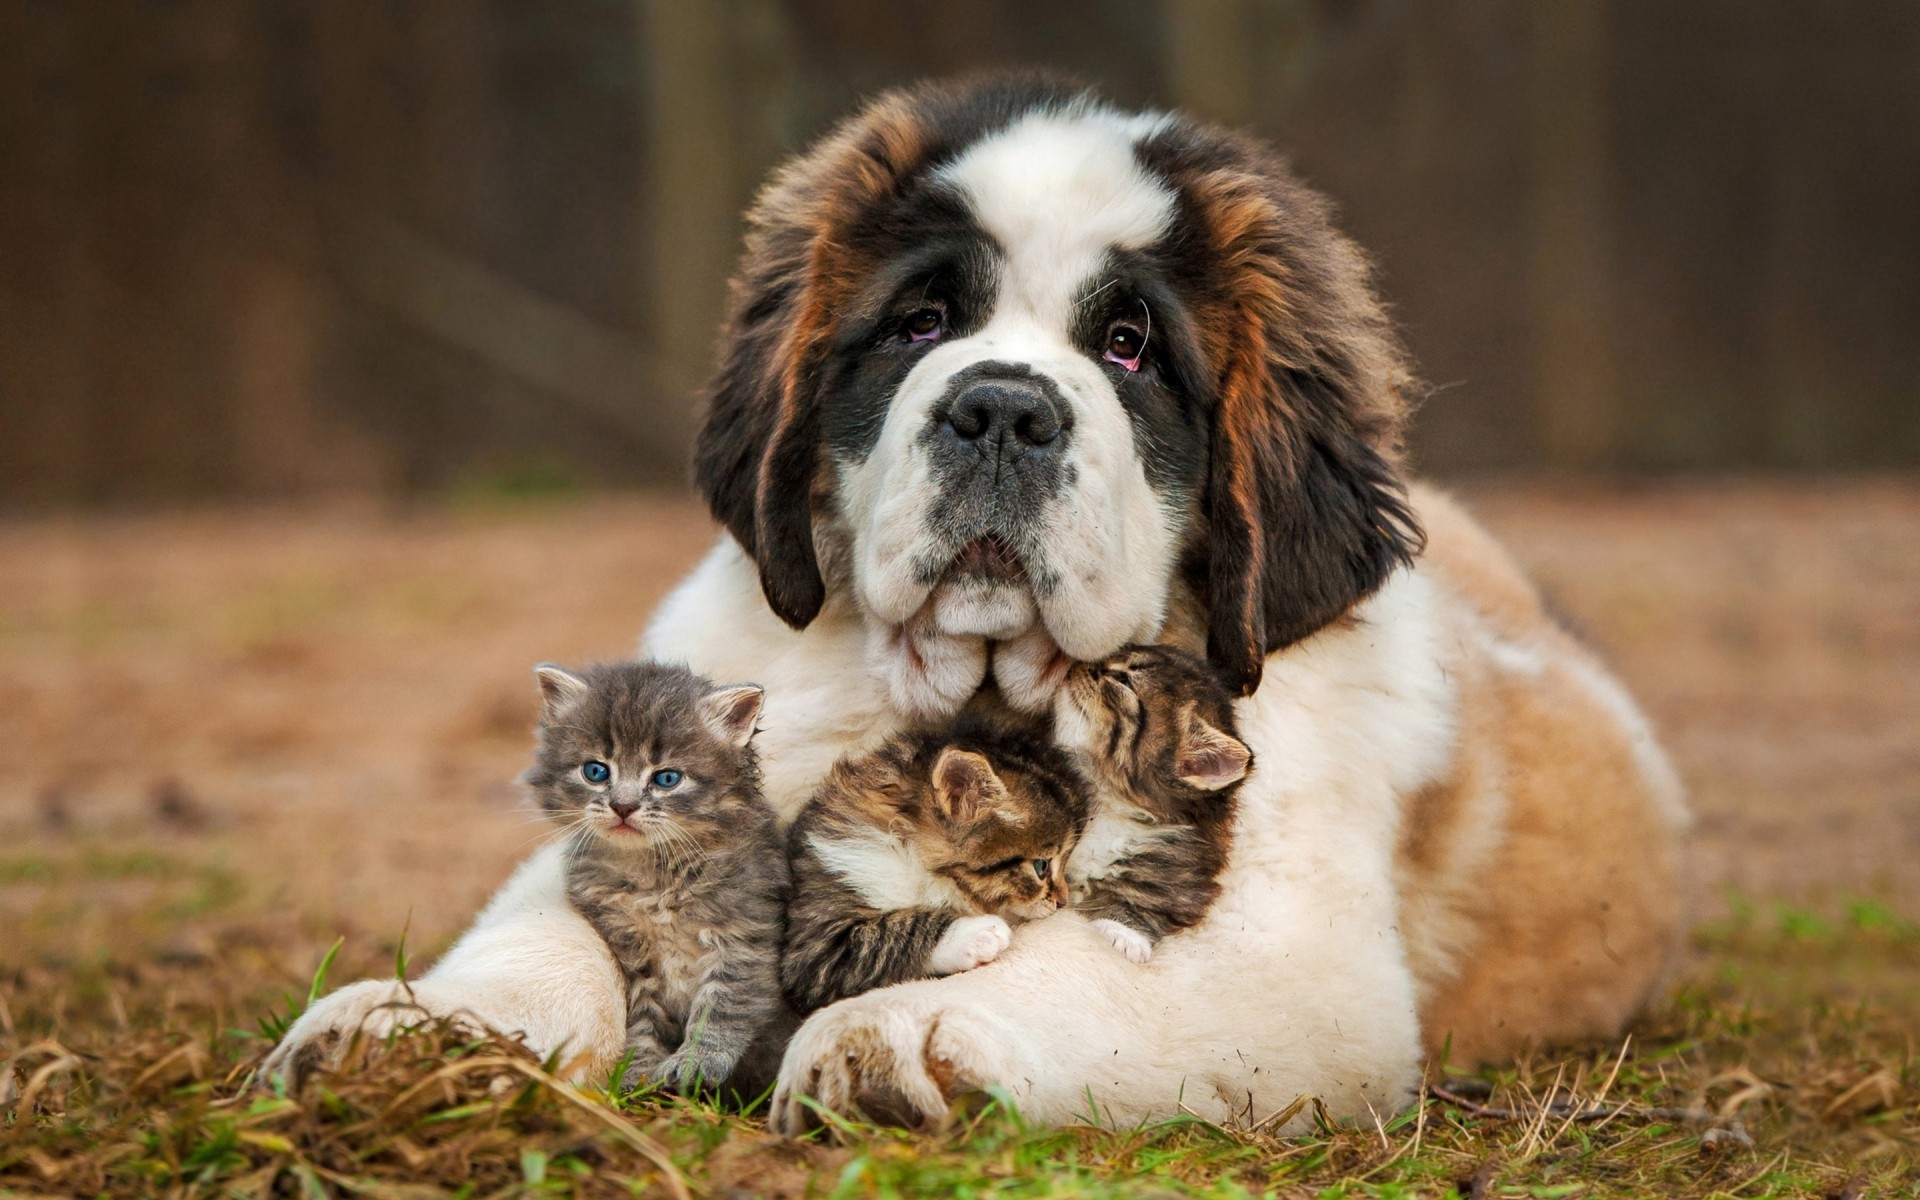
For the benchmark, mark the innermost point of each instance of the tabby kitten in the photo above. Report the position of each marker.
(673, 857)
(1152, 727)
(911, 860)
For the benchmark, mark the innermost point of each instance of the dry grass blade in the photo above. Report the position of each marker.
(62, 1061)
(621, 1128)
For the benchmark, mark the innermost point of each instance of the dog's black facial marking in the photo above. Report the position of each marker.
(937, 260)
(1165, 398)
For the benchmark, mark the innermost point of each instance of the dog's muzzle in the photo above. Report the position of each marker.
(999, 438)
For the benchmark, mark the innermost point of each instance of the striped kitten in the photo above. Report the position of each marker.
(910, 861)
(1153, 729)
(674, 859)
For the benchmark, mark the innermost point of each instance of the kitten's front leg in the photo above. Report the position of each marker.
(1143, 896)
(828, 960)
(646, 1058)
(647, 1053)
(730, 1007)
(968, 943)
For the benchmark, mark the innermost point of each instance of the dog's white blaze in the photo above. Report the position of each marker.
(1058, 192)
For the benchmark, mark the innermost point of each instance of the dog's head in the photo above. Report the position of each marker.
(998, 353)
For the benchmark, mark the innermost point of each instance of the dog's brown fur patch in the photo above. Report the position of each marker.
(1541, 880)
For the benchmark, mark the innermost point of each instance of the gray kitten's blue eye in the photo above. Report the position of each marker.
(595, 771)
(666, 777)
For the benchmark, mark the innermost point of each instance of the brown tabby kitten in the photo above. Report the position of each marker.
(909, 861)
(1153, 728)
(673, 858)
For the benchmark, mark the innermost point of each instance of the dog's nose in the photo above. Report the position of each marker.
(1012, 415)
(623, 808)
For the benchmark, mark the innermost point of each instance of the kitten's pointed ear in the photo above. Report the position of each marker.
(559, 687)
(964, 785)
(732, 711)
(1208, 758)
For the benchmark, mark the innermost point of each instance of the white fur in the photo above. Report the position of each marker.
(884, 871)
(1029, 669)
(968, 943)
(1115, 831)
(927, 673)
(1294, 984)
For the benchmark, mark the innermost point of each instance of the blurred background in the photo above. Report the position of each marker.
(256, 248)
(348, 355)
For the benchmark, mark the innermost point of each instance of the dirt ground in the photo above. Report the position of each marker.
(317, 715)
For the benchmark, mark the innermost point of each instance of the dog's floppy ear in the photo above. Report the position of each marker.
(759, 448)
(1305, 510)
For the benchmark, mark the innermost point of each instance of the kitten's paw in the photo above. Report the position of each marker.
(687, 1072)
(1136, 946)
(968, 943)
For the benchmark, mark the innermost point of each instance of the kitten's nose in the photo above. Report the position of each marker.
(623, 808)
(1059, 891)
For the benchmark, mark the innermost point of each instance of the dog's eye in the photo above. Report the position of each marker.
(924, 325)
(1125, 344)
(595, 771)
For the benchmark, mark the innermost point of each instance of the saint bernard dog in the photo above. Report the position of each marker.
(1012, 378)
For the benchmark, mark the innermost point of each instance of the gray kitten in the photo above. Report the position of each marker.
(675, 860)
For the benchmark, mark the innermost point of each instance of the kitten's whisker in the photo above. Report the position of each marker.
(677, 847)
(570, 829)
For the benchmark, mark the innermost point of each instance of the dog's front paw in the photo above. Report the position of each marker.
(1136, 946)
(968, 943)
(887, 1062)
(373, 1008)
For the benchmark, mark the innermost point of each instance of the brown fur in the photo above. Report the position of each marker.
(1530, 916)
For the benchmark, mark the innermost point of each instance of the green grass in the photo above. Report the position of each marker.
(1795, 1028)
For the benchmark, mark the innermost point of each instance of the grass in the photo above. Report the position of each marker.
(1784, 1065)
